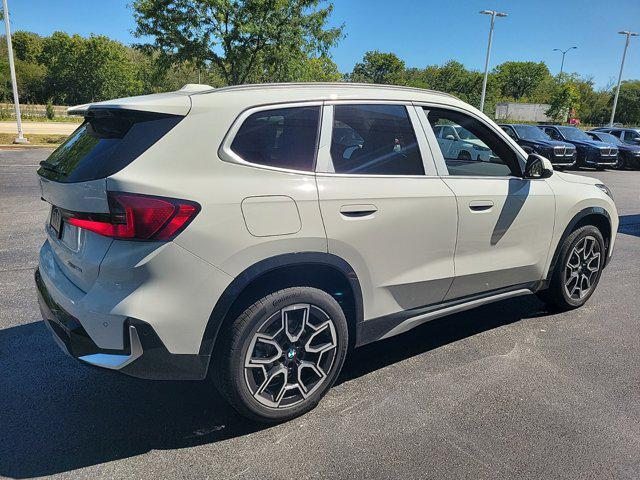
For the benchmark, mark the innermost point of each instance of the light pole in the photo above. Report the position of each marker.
(493, 14)
(564, 52)
(12, 70)
(626, 47)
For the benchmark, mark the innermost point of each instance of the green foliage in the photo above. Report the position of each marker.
(87, 69)
(246, 41)
(565, 97)
(50, 113)
(628, 109)
(519, 80)
(379, 67)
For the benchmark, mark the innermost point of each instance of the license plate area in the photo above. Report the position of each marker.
(66, 234)
(55, 221)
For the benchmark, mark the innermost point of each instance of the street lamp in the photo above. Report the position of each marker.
(493, 14)
(12, 70)
(626, 46)
(564, 52)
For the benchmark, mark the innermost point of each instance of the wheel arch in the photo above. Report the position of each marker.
(313, 269)
(596, 216)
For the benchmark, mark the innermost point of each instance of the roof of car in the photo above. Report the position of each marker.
(246, 96)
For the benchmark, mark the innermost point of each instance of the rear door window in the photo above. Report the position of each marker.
(374, 140)
(282, 137)
(105, 143)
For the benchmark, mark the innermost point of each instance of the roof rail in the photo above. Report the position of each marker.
(254, 86)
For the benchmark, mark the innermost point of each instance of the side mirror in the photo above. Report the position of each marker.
(537, 167)
(450, 137)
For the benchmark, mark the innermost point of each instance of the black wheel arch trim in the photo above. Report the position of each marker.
(255, 271)
(570, 228)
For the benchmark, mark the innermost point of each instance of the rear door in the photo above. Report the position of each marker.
(385, 210)
(505, 222)
(73, 180)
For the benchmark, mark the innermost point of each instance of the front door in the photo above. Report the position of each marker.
(505, 222)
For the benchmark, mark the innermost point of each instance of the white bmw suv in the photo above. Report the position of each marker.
(253, 235)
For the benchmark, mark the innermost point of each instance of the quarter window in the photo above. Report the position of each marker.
(283, 137)
(374, 140)
(475, 149)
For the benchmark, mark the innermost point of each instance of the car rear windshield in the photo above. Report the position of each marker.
(105, 143)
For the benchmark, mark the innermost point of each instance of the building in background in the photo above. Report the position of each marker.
(523, 112)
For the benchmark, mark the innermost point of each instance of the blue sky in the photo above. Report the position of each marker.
(421, 32)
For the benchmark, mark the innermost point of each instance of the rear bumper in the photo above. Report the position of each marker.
(143, 356)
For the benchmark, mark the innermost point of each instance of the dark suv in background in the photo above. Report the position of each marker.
(628, 154)
(630, 136)
(590, 152)
(534, 140)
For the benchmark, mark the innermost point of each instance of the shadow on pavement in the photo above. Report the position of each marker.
(629, 225)
(59, 416)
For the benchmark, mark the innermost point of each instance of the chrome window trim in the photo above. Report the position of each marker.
(521, 156)
(324, 164)
(226, 154)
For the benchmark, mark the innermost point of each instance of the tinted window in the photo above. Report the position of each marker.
(284, 138)
(573, 133)
(374, 140)
(509, 131)
(530, 132)
(476, 150)
(105, 143)
(607, 138)
(631, 136)
(552, 133)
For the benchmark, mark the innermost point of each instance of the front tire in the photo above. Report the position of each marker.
(277, 359)
(577, 271)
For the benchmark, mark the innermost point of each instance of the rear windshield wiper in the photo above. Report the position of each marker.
(50, 166)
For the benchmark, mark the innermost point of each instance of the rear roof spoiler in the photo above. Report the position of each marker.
(173, 103)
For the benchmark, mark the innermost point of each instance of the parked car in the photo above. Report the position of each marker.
(630, 136)
(590, 152)
(534, 140)
(235, 234)
(461, 144)
(628, 154)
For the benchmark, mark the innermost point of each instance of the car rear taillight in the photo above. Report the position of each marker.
(138, 217)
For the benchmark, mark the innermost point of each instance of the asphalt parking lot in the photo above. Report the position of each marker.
(503, 391)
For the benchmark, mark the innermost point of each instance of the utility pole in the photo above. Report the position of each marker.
(493, 14)
(564, 52)
(624, 55)
(12, 69)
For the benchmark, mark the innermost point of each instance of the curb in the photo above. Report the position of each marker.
(26, 147)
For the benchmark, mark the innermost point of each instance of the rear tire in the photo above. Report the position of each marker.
(577, 271)
(277, 359)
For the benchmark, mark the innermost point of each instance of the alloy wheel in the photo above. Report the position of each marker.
(290, 355)
(581, 270)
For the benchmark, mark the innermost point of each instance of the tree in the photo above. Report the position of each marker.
(243, 39)
(27, 46)
(564, 98)
(628, 109)
(521, 79)
(378, 67)
(81, 70)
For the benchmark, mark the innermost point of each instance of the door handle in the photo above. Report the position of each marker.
(480, 205)
(358, 211)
